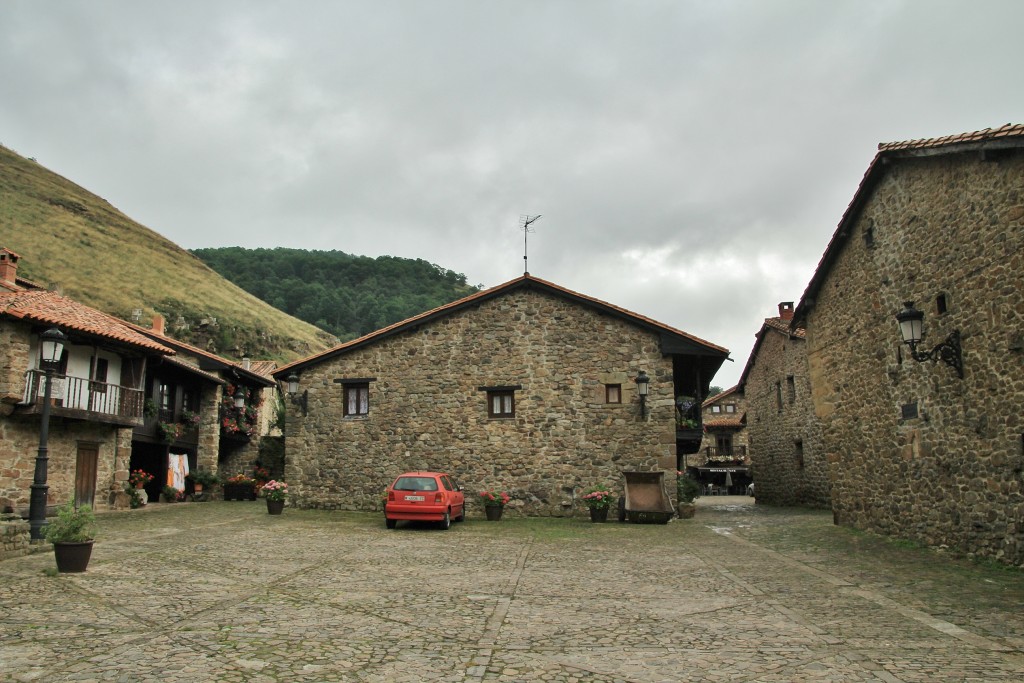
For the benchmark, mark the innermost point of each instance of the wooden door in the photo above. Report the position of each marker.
(85, 473)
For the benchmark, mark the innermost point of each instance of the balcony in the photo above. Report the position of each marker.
(725, 454)
(83, 399)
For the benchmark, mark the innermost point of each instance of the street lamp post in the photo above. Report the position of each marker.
(52, 348)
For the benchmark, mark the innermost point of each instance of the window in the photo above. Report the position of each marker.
(941, 304)
(799, 454)
(716, 409)
(99, 376)
(166, 402)
(613, 393)
(723, 442)
(501, 403)
(730, 407)
(791, 388)
(357, 398)
(778, 395)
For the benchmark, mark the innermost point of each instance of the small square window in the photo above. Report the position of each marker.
(357, 399)
(716, 409)
(730, 407)
(501, 404)
(613, 393)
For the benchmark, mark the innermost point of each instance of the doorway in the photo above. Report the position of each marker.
(85, 474)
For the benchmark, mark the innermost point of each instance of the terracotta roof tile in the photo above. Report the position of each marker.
(1008, 130)
(263, 367)
(714, 422)
(486, 294)
(720, 395)
(50, 308)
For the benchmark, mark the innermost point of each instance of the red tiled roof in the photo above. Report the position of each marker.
(1009, 130)
(50, 308)
(524, 280)
(263, 367)
(178, 362)
(784, 326)
(720, 395)
(1008, 135)
(195, 350)
(720, 422)
(777, 324)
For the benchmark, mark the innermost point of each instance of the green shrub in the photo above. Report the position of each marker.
(71, 525)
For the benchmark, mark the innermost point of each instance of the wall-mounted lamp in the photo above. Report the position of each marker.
(948, 351)
(239, 398)
(642, 386)
(293, 393)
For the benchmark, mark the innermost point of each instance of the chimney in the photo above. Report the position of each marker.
(786, 310)
(158, 324)
(246, 363)
(8, 267)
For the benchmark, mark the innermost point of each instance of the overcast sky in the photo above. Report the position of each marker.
(690, 159)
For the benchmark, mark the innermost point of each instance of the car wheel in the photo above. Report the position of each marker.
(446, 523)
(390, 523)
(462, 514)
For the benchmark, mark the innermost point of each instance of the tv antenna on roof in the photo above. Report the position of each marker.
(525, 221)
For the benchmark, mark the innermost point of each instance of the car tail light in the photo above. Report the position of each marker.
(391, 496)
(438, 497)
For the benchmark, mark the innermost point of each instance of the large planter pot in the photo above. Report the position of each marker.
(72, 557)
(493, 512)
(599, 514)
(275, 507)
(239, 492)
(686, 510)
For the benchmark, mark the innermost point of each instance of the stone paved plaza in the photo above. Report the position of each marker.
(225, 592)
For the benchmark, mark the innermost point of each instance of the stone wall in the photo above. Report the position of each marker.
(428, 412)
(787, 460)
(713, 425)
(949, 228)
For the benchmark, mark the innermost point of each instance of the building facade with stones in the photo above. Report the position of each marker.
(528, 388)
(95, 398)
(915, 450)
(787, 460)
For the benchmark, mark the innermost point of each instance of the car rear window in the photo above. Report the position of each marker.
(415, 484)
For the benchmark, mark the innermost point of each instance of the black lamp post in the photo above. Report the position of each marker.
(642, 385)
(293, 393)
(948, 350)
(239, 399)
(52, 347)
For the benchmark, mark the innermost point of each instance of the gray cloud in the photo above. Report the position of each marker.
(691, 159)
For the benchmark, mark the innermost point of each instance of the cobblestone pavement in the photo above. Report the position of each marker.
(225, 592)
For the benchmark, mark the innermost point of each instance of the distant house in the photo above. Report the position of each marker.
(787, 456)
(926, 443)
(722, 463)
(97, 395)
(527, 387)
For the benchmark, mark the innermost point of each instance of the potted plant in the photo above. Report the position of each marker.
(72, 534)
(687, 491)
(494, 504)
(202, 479)
(598, 500)
(239, 487)
(275, 492)
(171, 494)
(136, 487)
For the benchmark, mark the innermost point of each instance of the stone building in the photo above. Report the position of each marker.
(722, 463)
(526, 387)
(96, 396)
(915, 449)
(787, 458)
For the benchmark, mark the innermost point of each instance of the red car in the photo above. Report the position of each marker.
(424, 497)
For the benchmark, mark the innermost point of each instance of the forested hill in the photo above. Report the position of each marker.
(346, 295)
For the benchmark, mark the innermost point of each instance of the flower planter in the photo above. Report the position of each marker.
(599, 514)
(275, 507)
(686, 510)
(493, 512)
(239, 492)
(72, 557)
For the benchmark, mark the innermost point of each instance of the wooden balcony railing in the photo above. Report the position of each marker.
(80, 397)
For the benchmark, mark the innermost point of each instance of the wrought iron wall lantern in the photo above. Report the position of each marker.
(239, 398)
(642, 386)
(293, 393)
(911, 323)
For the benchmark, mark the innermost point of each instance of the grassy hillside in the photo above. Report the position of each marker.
(77, 242)
(347, 295)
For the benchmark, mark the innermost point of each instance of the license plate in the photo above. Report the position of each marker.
(415, 498)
